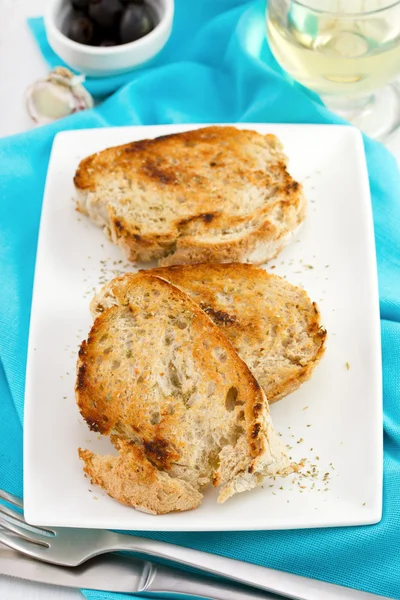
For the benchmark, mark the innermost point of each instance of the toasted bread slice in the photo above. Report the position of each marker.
(272, 324)
(217, 194)
(159, 377)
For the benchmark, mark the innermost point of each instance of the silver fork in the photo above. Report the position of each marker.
(71, 547)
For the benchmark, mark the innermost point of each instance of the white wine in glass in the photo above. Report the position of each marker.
(346, 51)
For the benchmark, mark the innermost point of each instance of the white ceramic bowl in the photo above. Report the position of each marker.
(101, 62)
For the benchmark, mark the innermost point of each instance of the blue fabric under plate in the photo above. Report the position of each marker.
(216, 67)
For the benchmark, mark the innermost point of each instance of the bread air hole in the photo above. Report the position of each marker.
(155, 418)
(168, 339)
(219, 354)
(174, 376)
(231, 399)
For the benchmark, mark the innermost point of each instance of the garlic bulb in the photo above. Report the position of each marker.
(58, 95)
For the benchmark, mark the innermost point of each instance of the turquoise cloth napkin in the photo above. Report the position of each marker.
(217, 67)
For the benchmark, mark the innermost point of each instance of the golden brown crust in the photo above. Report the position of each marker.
(273, 325)
(102, 413)
(132, 480)
(215, 194)
(158, 375)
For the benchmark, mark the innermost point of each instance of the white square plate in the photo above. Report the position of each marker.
(334, 420)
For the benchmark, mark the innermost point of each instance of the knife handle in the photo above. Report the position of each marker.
(158, 579)
(286, 585)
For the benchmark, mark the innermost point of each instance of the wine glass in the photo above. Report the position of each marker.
(347, 51)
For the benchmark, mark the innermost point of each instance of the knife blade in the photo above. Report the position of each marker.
(119, 573)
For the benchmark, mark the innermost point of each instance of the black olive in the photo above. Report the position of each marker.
(108, 43)
(105, 13)
(80, 4)
(136, 22)
(106, 36)
(80, 28)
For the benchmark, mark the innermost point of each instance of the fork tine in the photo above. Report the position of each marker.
(5, 510)
(30, 536)
(22, 545)
(11, 499)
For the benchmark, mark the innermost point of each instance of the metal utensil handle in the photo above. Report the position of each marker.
(235, 570)
(162, 579)
(283, 584)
